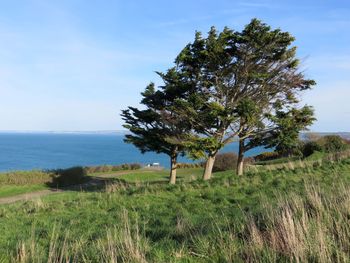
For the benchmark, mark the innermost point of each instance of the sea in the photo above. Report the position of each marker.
(28, 151)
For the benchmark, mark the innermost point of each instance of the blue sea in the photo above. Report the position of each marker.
(27, 151)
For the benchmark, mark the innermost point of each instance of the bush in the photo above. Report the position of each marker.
(332, 143)
(266, 156)
(308, 148)
(225, 161)
(70, 176)
(112, 168)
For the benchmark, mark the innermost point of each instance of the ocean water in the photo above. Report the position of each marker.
(26, 151)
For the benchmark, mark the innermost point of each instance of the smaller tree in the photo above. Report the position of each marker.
(158, 128)
(285, 138)
(280, 130)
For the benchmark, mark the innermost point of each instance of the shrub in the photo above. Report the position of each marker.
(225, 161)
(70, 176)
(112, 168)
(266, 156)
(310, 147)
(332, 143)
(135, 166)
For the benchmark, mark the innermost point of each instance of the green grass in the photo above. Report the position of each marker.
(228, 219)
(316, 156)
(278, 160)
(26, 182)
(11, 190)
(186, 174)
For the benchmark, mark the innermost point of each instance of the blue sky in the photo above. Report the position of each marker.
(73, 65)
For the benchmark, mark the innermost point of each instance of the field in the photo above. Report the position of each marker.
(283, 215)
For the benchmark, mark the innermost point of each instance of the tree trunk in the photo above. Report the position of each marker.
(240, 162)
(209, 166)
(173, 166)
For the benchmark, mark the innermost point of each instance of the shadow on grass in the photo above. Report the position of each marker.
(76, 179)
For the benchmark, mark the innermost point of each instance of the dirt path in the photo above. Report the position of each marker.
(98, 180)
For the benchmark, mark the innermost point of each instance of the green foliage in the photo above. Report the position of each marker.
(285, 138)
(332, 143)
(225, 161)
(225, 85)
(246, 84)
(70, 176)
(309, 147)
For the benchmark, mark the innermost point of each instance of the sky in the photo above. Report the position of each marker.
(73, 65)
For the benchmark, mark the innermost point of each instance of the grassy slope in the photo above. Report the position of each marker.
(12, 190)
(159, 176)
(11, 187)
(189, 222)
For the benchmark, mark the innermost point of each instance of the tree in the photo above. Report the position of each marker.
(239, 78)
(279, 128)
(284, 133)
(158, 128)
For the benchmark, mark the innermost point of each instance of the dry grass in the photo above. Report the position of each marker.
(25, 178)
(316, 229)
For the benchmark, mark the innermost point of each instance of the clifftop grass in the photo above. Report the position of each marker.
(281, 215)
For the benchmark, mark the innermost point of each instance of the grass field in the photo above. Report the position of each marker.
(27, 182)
(11, 190)
(267, 216)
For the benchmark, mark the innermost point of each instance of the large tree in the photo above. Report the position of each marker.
(254, 69)
(158, 127)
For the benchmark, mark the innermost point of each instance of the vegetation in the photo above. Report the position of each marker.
(267, 216)
(70, 176)
(225, 161)
(111, 168)
(12, 190)
(25, 178)
(158, 128)
(292, 205)
(225, 86)
(327, 144)
(21, 182)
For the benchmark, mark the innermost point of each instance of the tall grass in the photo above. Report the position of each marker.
(300, 215)
(314, 229)
(121, 243)
(311, 229)
(25, 177)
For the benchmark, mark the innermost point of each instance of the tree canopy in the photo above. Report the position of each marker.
(230, 85)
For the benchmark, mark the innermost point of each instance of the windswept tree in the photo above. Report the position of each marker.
(238, 78)
(158, 128)
(279, 130)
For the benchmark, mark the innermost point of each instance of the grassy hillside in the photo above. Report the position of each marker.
(281, 215)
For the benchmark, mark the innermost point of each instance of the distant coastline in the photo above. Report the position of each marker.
(121, 132)
(345, 135)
